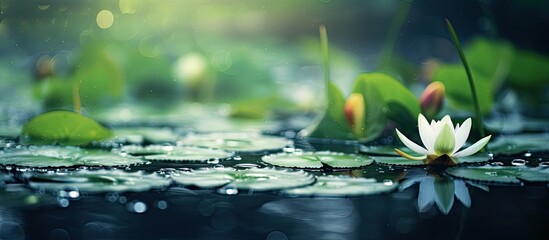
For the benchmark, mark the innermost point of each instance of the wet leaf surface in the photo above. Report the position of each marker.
(317, 160)
(177, 153)
(501, 174)
(256, 179)
(343, 186)
(53, 156)
(238, 142)
(97, 181)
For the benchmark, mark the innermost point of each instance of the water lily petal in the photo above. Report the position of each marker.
(444, 194)
(445, 141)
(473, 148)
(461, 134)
(426, 196)
(462, 192)
(426, 133)
(410, 144)
(409, 182)
(447, 120)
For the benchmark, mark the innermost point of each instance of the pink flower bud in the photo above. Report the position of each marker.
(354, 112)
(432, 98)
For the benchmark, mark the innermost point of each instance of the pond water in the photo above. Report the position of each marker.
(246, 119)
(234, 209)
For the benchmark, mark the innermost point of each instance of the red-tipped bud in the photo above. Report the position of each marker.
(432, 98)
(354, 112)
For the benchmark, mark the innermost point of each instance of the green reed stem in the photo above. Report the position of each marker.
(470, 77)
(390, 42)
(325, 54)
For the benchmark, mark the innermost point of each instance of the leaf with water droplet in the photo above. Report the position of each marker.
(98, 181)
(256, 179)
(513, 144)
(178, 153)
(501, 174)
(317, 160)
(63, 127)
(238, 142)
(343, 186)
(54, 156)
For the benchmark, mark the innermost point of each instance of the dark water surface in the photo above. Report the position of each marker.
(504, 212)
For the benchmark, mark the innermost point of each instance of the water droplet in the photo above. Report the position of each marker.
(229, 189)
(528, 154)
(544, 164)
(246, 165)
(63, 202)
(496, 164)
(519, 162)
(137, 207)
(218, 166)
(213, 161)
(491, 173)
(387, 182)
(162, 205)
(237, 158)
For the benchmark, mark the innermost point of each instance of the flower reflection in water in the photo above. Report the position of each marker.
(435, 188)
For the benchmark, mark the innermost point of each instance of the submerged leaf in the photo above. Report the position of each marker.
(257, 179)
(343, 186)
(98, 181)
(49, 156)
(63, 127)
(317, 160)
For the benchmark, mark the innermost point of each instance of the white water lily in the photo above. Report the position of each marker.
(440, 139)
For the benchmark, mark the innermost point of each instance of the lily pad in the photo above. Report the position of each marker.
(501, 174)
(257, 179)
(384, 150)
(63, 127)
(317, 160)
(513, 144)
(50, 156)
(98, 181)
(177, 153)
(238, 142)
(141, 134)
(343, 186)
(405, 162)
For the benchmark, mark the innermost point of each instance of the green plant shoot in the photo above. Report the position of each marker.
(469, 76)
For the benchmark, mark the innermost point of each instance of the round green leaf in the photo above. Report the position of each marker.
(257, 179)
(343, 186)
(238, 142)
(177, 153)
(317, 160)
(50, 156)
(63, 127)
(98, 181)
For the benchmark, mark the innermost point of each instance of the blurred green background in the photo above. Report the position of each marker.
(259, 57)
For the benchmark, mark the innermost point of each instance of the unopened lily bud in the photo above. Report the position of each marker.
(354, 112)
(432, 98)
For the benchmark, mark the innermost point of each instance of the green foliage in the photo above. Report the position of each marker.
(333, 124)
(458, 93)
(63, 127)
(490, 58)
(380, 91)
(529, 70)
